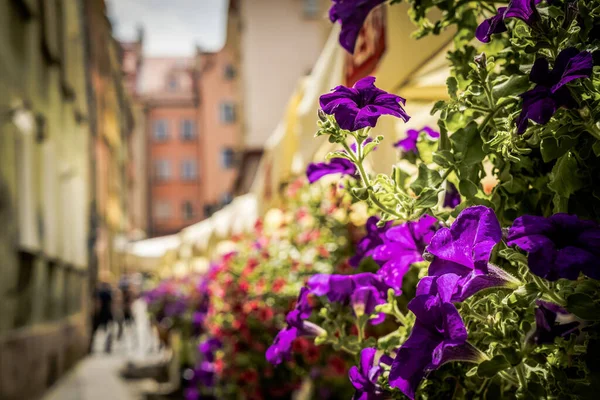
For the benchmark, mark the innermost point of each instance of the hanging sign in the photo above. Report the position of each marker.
(370, 47)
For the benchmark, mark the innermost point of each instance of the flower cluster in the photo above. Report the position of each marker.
(500, 277)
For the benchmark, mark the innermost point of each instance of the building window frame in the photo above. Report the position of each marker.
(160, 130)
(187, 210)
(189, 170)
(227, 158)
(311, 9)
(187, 130)
(227, 112)
(229, 72)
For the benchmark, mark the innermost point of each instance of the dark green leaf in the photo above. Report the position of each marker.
(427, 178)
(467, 188)
(489, 368)
(583, 306)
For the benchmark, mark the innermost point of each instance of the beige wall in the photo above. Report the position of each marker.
(279, 46)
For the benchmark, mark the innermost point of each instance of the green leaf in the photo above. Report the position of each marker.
(596, 148)
(467, 188)
(469, 144)
(489, 368)
(564, 180)
(553, 148)
(427, 178)
(583, 306)
(452, 84)
(512, 355)
(337, 154)
(514, 84)
(443, 158)
(428, 198)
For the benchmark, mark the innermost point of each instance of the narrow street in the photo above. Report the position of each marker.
(97, 378)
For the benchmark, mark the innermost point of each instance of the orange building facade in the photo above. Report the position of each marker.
(220, 90)
(168, 90)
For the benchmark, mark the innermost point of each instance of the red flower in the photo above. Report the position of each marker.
(249, 377)
(278, 285)
(265, 314)
(312, 354)
(244, 287)
(219, 365)
(300, 345)
(323, 252)
(337, 366)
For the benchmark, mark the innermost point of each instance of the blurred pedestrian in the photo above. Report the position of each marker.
(103, 313)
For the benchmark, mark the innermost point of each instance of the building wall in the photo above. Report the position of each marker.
(280, 44)
(112, 124)
(220, 84)
(44, 194)
(173, 191)
(132, 61)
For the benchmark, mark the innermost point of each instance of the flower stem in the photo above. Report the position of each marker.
(547, 290)
(520, 370)
(594, 130)
(509, 378)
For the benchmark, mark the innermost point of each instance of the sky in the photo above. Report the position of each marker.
(171, 27)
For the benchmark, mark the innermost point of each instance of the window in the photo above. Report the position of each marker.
(226, 198)
(188, 170)
(311, 8)
(187, 129)
(173, 84)
(162, 210)
(162, 170)
(229, 72)
(209, 209)
(227, 112)
(187, 210)
(227, 158)
(161, 130)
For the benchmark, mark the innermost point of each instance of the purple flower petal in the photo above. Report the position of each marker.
(359, 107)
(467, 244)
(560, 246)
(352, 15)
(316, 171)
(491, 26)
(542, 102)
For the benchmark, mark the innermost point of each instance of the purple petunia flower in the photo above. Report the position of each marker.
(467, 244)
(364, 377)
(452, 196)
(521, 9)
(403, 246)
(191, 394)
(352, 15)
(463, 252)
(551, 321)
(208, 348)
(551, 92)
(296, 326)
(374, 237)
(409, 144)
(348, 289)
(337, 165)
(316, 171)
(560, 246)
(438, 336)
(362, 105)
(339, 288)
(364, 300)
